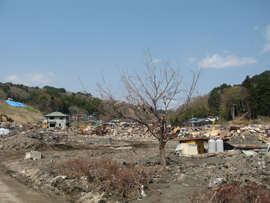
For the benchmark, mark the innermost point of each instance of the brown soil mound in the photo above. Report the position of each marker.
(19, 142)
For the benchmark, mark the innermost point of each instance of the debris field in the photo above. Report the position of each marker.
(30, 154)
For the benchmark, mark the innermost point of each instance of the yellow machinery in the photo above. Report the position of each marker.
(7, 118)
(45, 125)
(213, 128)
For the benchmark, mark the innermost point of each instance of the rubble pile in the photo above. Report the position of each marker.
(131, 131)
(261, 131)
(225, 168)
(121, 132)
(48, 136)
(115, 131)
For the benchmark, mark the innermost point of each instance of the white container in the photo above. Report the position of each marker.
(220, 147)
(188, 149)
(212, 145)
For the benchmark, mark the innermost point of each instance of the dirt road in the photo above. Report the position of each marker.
(11, 190)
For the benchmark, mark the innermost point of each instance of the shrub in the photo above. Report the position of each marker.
(75, 168)
(233, 193)
(127, 181)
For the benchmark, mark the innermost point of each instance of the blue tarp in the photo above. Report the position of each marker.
(17, 104)
(97, 124)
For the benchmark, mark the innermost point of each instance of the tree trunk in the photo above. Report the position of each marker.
(162, 144)
(162, 153)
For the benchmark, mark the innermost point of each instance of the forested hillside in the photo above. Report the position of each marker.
(251, 97)
(48, 99)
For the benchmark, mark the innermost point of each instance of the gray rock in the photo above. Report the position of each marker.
(35, 155)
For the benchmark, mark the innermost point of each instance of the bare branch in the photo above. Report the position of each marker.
(144, 95)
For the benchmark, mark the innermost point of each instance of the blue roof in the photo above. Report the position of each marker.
(202, 120)
(193, 119)
(17, 104)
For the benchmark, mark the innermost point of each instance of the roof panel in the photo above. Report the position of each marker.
(56, 114)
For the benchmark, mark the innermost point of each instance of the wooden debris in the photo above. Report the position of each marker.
(243, 146)
(234, 128)
(264, 139)
(231, 133)
(257, 130)
(224, 134)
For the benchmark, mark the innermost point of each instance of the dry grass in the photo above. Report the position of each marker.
(126, 181)
(233, 193)
(19, 114)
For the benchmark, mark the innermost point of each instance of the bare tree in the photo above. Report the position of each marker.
(76, 110)
(56, 104)
(3, 95)
(144, 95)
(18, 93)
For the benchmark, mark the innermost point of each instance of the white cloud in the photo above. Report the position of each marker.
(267, 33)
(174, 104)
(267, 47)
(256, 28)
(267, 36)
(32, 79)
(218, 62)
(191, 59)
(156, 61)
(64, 77)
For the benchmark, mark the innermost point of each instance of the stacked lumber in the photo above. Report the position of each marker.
(264, 139)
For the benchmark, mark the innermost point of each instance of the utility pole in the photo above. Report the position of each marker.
(192, 121)
(233, 114)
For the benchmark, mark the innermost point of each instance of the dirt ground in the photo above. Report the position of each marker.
(182, 177)
(13, 191)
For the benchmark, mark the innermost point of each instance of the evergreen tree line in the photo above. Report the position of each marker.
(251, 97)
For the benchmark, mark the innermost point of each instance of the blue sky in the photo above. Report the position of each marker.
(51, 42)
